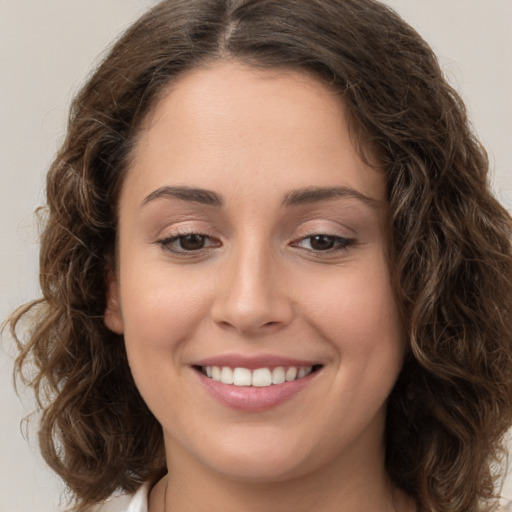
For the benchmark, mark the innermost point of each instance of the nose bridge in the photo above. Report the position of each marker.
(251, 295)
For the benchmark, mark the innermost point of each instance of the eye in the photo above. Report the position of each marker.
(324, 243)
(188, 243)
(192, 242)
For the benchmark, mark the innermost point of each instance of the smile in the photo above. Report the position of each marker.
(255, 387)
(259, 377)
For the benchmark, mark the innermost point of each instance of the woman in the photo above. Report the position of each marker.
(272, 270)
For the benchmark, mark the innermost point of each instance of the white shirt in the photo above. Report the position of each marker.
(137, 502)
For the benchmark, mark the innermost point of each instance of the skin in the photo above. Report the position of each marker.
(259, 285)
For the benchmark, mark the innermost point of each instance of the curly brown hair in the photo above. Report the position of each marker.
(450, 253)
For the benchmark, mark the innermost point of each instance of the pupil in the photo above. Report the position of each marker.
(192, 242)
(322, 242)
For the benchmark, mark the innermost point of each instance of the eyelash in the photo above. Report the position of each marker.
(338, 243)
(168, 243)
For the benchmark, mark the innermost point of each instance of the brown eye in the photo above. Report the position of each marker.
(322, 242)
(192, 242)
(188, 243)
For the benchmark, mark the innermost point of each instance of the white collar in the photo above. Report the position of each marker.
(137, 502)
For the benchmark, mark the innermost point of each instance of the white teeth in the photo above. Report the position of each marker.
(278, 376)
(261, 377)
(291, 374)
(216, 373)
(226, 375)
(242, 377)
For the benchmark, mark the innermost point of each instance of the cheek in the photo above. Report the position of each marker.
(355, 312)
(161, 313)
(161, 308)
(355, 304)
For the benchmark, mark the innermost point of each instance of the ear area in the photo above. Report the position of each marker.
(113, 317)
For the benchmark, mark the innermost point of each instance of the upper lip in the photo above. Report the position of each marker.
(254, 362)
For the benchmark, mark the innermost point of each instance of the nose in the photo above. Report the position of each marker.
(252, 297)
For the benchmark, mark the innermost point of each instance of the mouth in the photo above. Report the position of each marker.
(258, 377)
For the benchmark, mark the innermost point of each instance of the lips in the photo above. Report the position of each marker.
(255, 383)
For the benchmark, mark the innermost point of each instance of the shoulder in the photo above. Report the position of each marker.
(137, 502)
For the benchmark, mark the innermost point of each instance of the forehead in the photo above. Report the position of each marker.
(229, 123)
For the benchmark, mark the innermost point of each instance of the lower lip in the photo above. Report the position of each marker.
(254, 399)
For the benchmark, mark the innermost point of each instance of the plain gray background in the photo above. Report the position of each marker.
(48, 47)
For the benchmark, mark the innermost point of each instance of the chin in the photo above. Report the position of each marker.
(270, 459)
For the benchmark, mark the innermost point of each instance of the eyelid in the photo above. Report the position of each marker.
(181, 230)
(343, 237)
(324, 226)
(175, 233)
(167, 245)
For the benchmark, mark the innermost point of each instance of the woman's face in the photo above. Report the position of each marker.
(252, 249)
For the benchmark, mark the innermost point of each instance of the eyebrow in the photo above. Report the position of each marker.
(195, 195)
(311, 195)
(298, 197)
